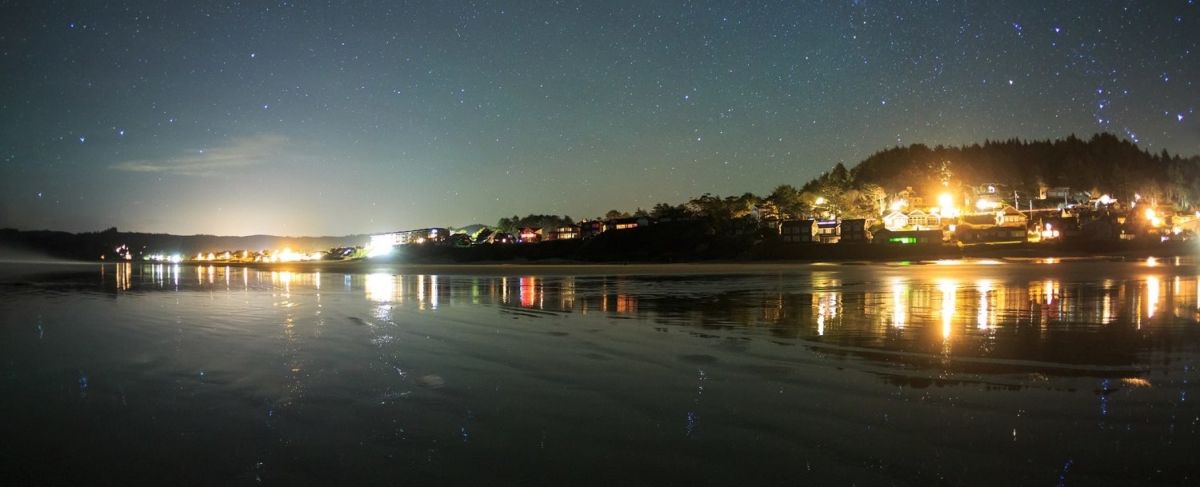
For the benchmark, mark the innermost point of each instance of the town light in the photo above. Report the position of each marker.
(379, 250)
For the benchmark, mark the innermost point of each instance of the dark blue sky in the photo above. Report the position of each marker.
(332, 118)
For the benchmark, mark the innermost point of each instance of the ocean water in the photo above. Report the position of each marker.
(950, 373)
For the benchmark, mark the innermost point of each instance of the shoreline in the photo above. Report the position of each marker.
(814, 256)
(493, 269)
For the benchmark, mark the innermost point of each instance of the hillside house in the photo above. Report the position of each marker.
(895, 221)
(798, 231)
(829, 231)
(854, 231)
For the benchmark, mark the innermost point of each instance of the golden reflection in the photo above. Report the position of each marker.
(1046, 297)
(1106, 304)
(382, 288)
(1050, 292)
(530, 292)
(626, 303)
(567, 293)
(899, 304)
(1137, 382)
(827, 309)
(282, 279)
(983, 318)
(948, 288)
(1153, 294)
(124, 275)
(820, 316)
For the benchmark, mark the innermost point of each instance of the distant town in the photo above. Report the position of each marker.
(986, 215)
(1101, 193)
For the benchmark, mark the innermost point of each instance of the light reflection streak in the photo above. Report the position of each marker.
(1153, 294)
(433, 291)
(899, 302)
(528, 291)
(948, 288)
(984, 318)
(381, 288)
(820, 317)
(124, 276)
(421, 292)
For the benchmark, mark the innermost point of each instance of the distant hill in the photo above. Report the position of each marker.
(1103, 164)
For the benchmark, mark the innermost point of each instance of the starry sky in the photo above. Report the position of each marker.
(345, 117)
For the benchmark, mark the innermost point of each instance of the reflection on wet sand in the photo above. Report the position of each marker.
(918, 369)
(936, 310)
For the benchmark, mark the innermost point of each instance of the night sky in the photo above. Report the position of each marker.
(334, 118)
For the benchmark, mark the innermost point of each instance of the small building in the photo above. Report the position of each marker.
(910, 197)
(995, 234)
(530, 235)
(1060, 193)
(908, 237)
(1102, 229)
(895, 221)
(919, 219)
(484, 236)
(798, 231)
(1011, 217)
(978, 220)
(854, 231)
(626, 223)
(589, 229)
(563, 233)
(1056, 228)
(829, 231)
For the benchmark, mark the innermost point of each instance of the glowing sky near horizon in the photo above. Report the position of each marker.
(335, 118)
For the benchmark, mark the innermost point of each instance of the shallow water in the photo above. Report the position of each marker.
(955, 373)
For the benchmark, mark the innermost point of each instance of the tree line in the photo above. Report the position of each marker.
(1103, 164)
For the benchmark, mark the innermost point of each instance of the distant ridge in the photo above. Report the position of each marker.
(92, 245)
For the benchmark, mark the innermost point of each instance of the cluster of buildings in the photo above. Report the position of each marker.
(984, 216)
(988, 213)
(383, 243)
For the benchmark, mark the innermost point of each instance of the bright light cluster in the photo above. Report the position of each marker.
(173, 258)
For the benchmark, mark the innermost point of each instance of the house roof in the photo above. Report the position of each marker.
(1010, 211)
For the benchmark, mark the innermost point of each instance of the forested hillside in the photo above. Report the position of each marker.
(1103, 164)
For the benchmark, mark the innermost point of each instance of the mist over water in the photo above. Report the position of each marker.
(953, 373)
